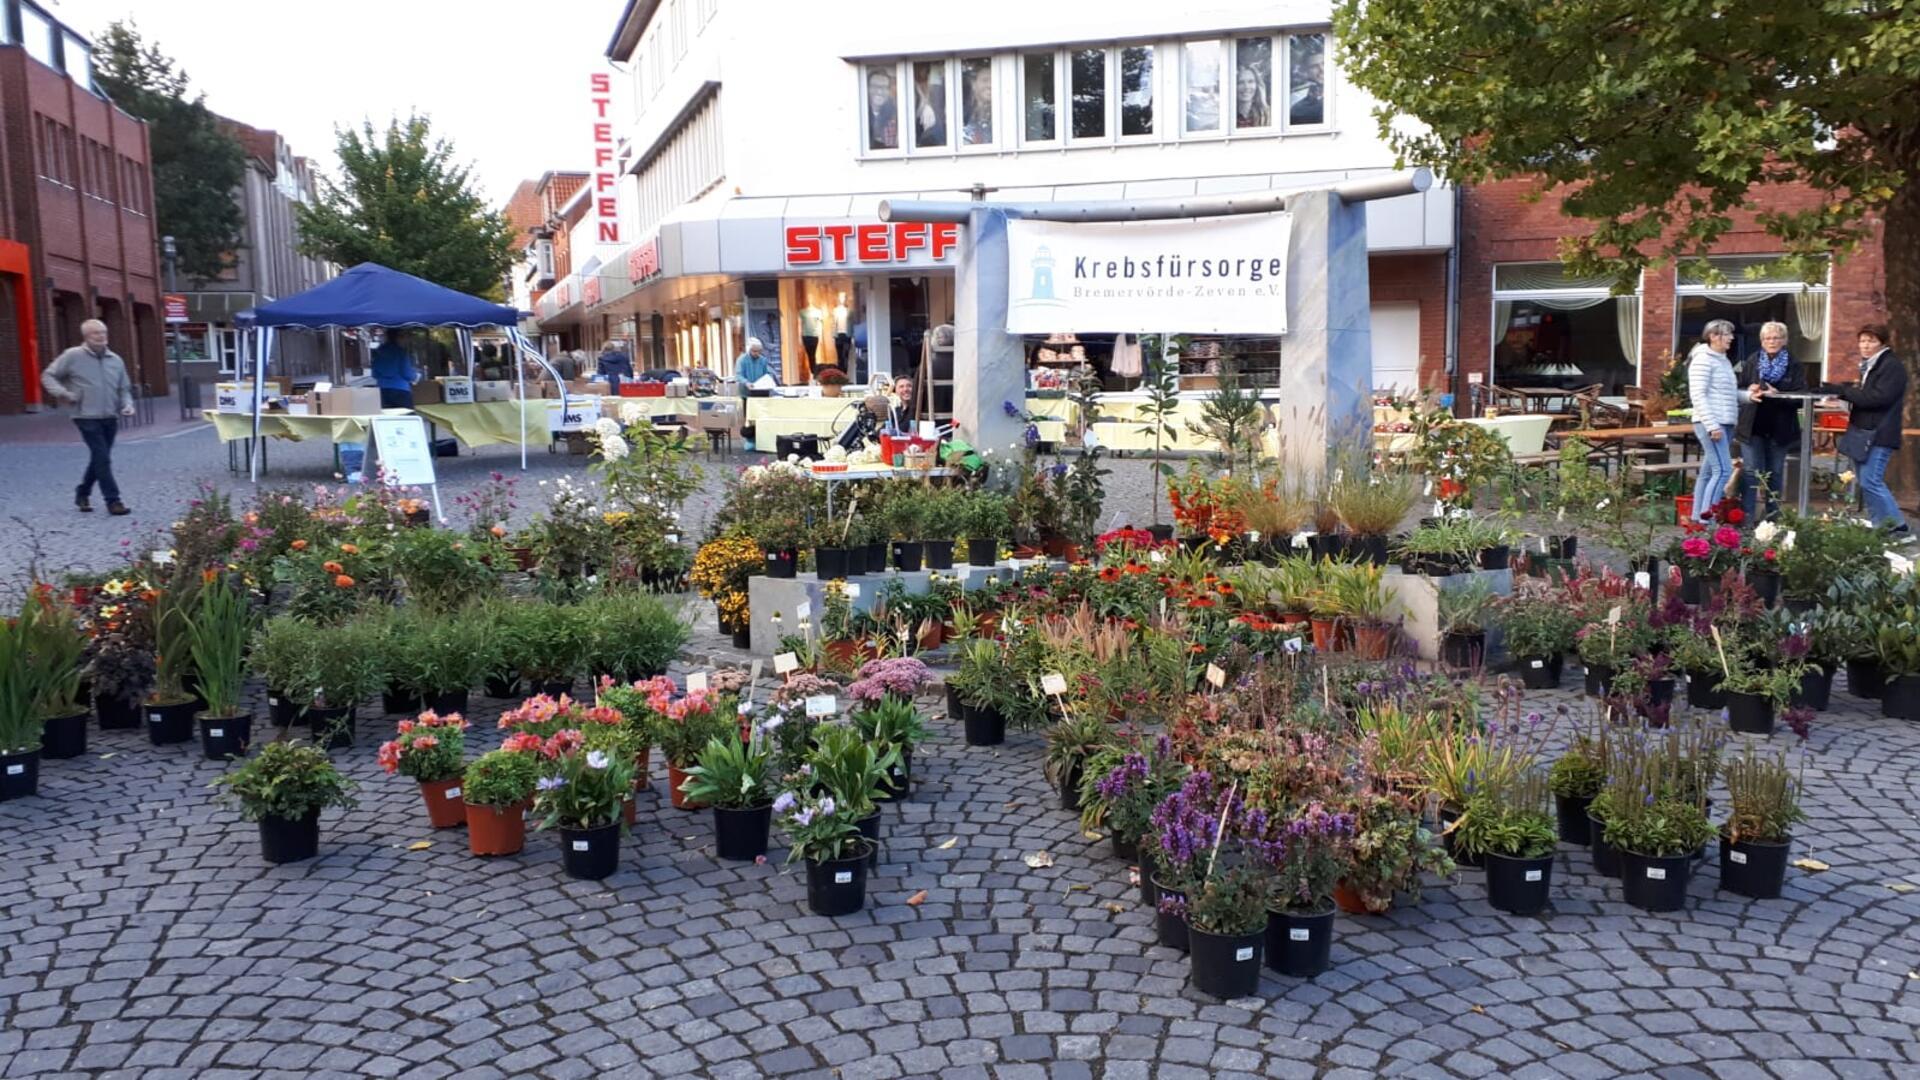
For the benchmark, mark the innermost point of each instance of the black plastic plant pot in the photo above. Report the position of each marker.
(502, 688)
(1324, 545)
(1750, 714)
(1866, 678)
(1599, 677)
(1752, 868)
(117, 714)
(554, 687)
(1448, 817)
(831, 562)
(1575, 826)
(1519, 886)
(1660, 691)
(983, 552)
(282, 710)
(783, 563)
(332, 729)
(869, 827)
(1170, 916)
(19, 775)
(1690, 591)
(838, 886)
(898, 783)
(1766, 584)
(1496, 558)
(223, 737)
(168, 724)
(1563, 547)
(1160, 533)
(877, 557)
(1815, 690)
(1226, 965)
(1606, 860)
(907, 555)
(64, 736)
(955, 707)
(1656, 882)
(453, 701)
(1371, 549)
(1703, 690)
(1070, 789)
(1541, 672)
(590, 854)
(395, 701)
(1464, 649)
(986, 727)
(939, 554)
(1800, 605)
(1300, 946)
(285, 840)
(1125, 848)
(741, 834)
(1143, 875)
(1901, 699)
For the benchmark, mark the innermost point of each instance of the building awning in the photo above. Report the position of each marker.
(562, 305)
(219, 307)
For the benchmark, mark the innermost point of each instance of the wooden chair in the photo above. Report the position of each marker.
(1595, 413)
(1506, 400)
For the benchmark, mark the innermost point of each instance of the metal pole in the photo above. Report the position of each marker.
(170, 253)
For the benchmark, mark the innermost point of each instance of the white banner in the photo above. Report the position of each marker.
(1223, 275)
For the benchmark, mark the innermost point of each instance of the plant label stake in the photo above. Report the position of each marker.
(785, 663)
(822, 705)
(1725, 671)
(1216, 675)
(697, 682)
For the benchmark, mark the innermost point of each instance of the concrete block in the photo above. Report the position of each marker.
(1418, 597)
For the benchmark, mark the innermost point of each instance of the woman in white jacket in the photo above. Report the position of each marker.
(1714, 393)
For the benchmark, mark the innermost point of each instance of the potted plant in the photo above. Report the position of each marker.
(436, 661)
(1185, 826)
(1756, 689)
(1465, 609)
(500, 652)
(218, 633)
(832, 380)
(1070, 742)
(581, 795)
(984, 683)
(681, 727)
(21, 683)
(1359, 594)
(1391, 850)
(552, 643)
(443, 571)
(835, 851)
(1897, 644)
(906, 512)
(170, 707)
(1539, 629)
(720, 571)
(1575, 779)
(430, 749)
(57, 647)
(1227, 923)
(1764, 805)
(1610, 644)
(283, 788)
(854, 772)
(1371, 504)
(732, 777)
(631, 635)
(348, 668)
(1307, 856)
(1120, 787)
(832, 557)
(891, 723)
(1657, 824)
(283, 656)
(496, 791)
(988, 524)
(1508, 827)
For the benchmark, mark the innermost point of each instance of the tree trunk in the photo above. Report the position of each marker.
(1900, 245)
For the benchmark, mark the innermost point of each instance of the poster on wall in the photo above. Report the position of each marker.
(1213, 276)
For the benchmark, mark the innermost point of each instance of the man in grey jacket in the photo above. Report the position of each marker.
(93, 379)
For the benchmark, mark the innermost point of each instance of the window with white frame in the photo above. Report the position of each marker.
(1306, 80)
(1552, 329)
(36, 34)
(1205, 69)
(1136, 91)
(1087, 94)
(1749, 292)
(976, 101)
(1253, 84)
(1040, 99)
(929, 104)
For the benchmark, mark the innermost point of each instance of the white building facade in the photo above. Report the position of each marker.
(763, 138)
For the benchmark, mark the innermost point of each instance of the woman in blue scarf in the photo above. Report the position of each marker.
(1769, 428)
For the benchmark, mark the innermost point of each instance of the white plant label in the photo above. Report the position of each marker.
(803, 611)
(1739, 857)
(580, 845)
(1053, 683)
(1300, 539)
(673, 538)
(1216, 675)
(1299, 933)
(822, 705)
(1253, 536)
(1155, 556)
(1538, 664)
(853, 592)
(273, 701)
(1133, 875)
(1533, 875)
(453, 793)
(697, 682)
(785, 662)
(1613, 615)
(162, 557)
(218, 733)
(16, 770)
(843, 877)
(1642, 580)
(1245, 952)
(1656, 873)
(1543, 544)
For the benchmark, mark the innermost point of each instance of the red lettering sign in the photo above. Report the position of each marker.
(643, 262)
(590, 290)
(895, 242)
(606, 210)
(176, 308)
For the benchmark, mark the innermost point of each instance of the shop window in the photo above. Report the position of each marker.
(1088, 71)
(883, 108)
(976, 101)
(1253, 84)
(1746, 291)
(1205, 70)
(1307, 79)
(930, 104)
(1136, 90)
(1551, 329)
(1039, 98)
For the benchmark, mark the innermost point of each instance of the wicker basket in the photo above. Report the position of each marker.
(917, 457)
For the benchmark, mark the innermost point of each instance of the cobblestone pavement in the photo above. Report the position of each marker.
(142, 935)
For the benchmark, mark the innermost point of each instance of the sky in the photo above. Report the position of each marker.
(505, 81)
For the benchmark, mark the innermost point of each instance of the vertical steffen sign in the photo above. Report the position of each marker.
(605, 204)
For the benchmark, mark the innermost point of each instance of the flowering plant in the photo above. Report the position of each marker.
(428, 747)
(901, 677)
(1185, 826)
(720, 571)
(682, 726)
(1122, 785)
(544, 716)
(583, 789)
(1306, 854)
(1703, 552)
(1391, 850)
(817, 829)
(1125, 540)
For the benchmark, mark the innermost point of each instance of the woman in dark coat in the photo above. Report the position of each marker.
(1769, 429)
(1876, 402)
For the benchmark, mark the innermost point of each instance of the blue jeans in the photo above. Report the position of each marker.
(1873, 489)
(1762, 456)
(1716, 467)
(98, 433)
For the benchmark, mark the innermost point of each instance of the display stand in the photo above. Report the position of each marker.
(406, 457)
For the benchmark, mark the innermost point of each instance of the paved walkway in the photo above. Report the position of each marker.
(141, 935)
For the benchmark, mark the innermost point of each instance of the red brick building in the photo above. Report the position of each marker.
(1524, 322)
(77, 237)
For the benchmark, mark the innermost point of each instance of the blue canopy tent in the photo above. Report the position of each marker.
(374, 295)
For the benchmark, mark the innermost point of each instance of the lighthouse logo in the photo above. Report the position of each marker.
(1039, 294)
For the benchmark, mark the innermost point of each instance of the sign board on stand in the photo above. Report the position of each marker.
(406, 458)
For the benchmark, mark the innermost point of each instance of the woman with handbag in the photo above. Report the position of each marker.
(1714, 394)
(1769, 427)
(1873, 423)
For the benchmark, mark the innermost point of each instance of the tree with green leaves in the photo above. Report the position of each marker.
(1659, 119)
(403, 202)
(197, 166)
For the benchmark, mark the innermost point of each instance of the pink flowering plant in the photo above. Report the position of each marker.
(901, 677)
(1707, 552)
(428, 748)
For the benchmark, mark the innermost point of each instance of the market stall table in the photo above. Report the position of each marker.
(1524, 434)
(1620, 436)
(833, 479)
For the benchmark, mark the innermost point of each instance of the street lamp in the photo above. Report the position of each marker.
(168, 252)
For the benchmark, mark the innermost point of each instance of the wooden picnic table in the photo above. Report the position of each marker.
(1542, 395)
(1619, 437)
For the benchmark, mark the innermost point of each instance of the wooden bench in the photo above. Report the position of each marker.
(1664, 468)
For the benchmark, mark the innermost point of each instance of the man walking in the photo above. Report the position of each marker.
(93, 379)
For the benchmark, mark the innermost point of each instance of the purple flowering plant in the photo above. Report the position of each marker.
(1122, 785)
(817, 829)
(901, 677)
(1306, 855)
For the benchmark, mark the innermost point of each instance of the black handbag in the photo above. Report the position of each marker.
(1856, 443)
(1743, 428)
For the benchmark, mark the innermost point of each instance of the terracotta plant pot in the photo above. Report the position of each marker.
(445, 809)
(496, 830)
(1372, 642)
(680, 801)
(1347, 899)
(843, 653)
(1326, 635)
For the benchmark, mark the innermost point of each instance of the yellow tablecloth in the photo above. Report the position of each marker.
(775, 416)
(232, 427)
(481, 423)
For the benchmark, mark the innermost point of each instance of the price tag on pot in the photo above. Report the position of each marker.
(1300, 539)
(803, 611)
(1543, 545)
(1245, 952)
(673, 538)
(162, 557)
(1133, 875)
(453, 793)
(1053, 683)
(1656, 873)
(1216, 675)
(1642, 580)
(697, 682)
(1739, 857)
(580, 845)
(843, 877)
(785, 662)
(16, 770)
(1533, 875)
(1299, 933)
(218, 733)
(822, 705)
(1538, 664)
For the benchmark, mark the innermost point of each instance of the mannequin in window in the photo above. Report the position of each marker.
(883, 120)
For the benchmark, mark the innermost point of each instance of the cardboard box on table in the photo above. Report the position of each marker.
(428, 392)
(348, 401)
(719, 414)
(457, 390)
(492, 390)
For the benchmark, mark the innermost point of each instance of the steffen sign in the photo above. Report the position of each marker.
(1209, 276)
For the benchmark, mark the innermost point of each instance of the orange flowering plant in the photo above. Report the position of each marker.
(427, 748)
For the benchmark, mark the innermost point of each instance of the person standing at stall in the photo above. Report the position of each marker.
(614, 365)
(1714, 394)
(1873, 424)
(1769, 429)
(750, 368)
(393, 371)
